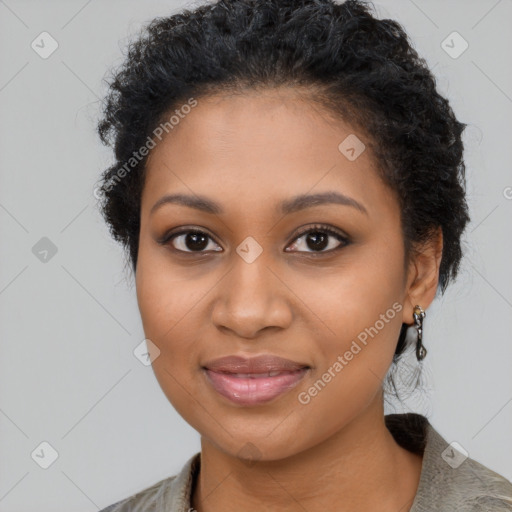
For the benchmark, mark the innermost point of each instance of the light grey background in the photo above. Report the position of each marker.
(69, 326)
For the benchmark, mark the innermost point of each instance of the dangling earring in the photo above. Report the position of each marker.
(419, 315)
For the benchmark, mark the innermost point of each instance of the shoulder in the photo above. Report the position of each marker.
(147, 500)
(451, 480)
(471, 487)
(476, 488)
(170, 494)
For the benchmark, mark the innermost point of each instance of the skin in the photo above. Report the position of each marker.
(248, 153)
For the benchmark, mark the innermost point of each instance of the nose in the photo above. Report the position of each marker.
(251, 298)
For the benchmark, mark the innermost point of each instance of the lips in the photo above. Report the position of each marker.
(253, 381)
(254, 365)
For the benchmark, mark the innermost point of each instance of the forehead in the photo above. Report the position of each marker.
(258, 147)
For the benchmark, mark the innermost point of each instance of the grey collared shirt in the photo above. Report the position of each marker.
(449, 480)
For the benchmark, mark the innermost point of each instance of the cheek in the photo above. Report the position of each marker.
(357, 322)
(165, 305)
(166, 295)
(167, 309)
(359, 300)
(352, 364)
(168, 305)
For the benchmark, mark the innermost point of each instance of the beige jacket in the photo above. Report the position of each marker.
(449, 481)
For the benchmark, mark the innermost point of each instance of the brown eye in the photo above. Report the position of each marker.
(319, 239)
(190, 241)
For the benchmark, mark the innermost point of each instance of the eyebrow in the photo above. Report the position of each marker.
(295, 204)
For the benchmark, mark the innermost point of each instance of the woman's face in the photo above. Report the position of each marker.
(252, 283)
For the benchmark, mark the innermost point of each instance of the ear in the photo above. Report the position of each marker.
(423, 275)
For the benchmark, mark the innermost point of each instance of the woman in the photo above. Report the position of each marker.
(290, 188)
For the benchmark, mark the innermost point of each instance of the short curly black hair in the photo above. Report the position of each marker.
(352, 63)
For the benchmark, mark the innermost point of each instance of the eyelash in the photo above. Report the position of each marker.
(168, 237)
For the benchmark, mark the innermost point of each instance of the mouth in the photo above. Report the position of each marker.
(253, 381)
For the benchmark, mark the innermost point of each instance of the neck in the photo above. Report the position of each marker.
(360, 467)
